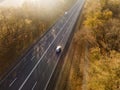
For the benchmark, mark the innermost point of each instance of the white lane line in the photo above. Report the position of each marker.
(44, 54)
(52, 73)
(34, 85)
(32, 58)
(56, 62)
(12, 82)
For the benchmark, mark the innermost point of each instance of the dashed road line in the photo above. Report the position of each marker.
(12, 82)
(34, 85)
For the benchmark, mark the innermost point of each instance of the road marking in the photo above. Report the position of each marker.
(34, 85)
(12, 82)
(55, 64)
(57, 61)
(32, 58)
(44, 54)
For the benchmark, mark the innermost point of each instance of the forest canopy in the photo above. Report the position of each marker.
(103, 18)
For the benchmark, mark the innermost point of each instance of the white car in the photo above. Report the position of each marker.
(58, 49)
(66, 13)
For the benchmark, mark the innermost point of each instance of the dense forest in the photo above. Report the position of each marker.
(22, 26)
(102, 19)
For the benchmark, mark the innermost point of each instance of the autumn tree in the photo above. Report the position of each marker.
(100, 22)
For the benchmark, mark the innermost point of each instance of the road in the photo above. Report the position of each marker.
(37, 66)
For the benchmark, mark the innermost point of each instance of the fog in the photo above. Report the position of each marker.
(42, 3)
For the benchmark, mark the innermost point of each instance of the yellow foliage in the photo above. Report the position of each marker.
(94, 21)
(107, 14)
(104, 74)
(98, 19)
(28, 21)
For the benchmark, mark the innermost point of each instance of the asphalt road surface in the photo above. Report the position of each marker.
(36, 68)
